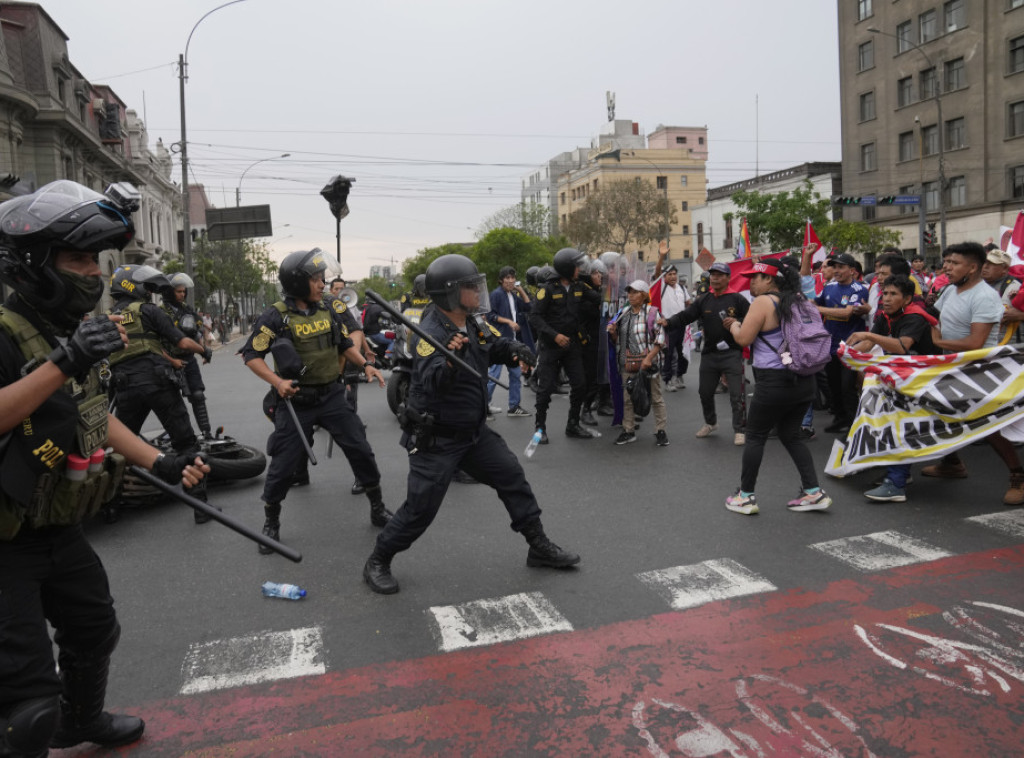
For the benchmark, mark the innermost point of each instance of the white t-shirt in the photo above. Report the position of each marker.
(980, 304)
(673, 300)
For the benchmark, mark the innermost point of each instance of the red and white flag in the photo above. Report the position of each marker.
(810, 238)
(1015, 243)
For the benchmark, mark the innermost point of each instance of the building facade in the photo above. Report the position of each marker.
(55, 124)
(716, 223)
(932, 102)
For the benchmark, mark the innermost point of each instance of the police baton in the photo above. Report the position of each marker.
(428, 339)
(209, 510)
(302, 435)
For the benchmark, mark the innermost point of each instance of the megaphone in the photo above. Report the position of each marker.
(349, 297)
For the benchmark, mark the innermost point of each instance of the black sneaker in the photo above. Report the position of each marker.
(807, 433)
(660, 438)
(625, 438)
(518, 412)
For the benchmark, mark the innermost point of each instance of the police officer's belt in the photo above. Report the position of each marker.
(453, 433)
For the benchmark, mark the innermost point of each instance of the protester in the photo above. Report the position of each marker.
(674, 299)
(903, 327)
(780, 395)
(969, 311)
(640, 341)
(920, 273)
(509, 308)
(995, 272)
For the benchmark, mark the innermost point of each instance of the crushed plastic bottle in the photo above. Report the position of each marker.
(531, 447)
(288, 591)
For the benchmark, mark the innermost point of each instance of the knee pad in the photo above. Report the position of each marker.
(26, 729)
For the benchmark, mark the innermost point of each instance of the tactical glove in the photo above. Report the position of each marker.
(207, 354)
(169, 467)
(92, 341)
(524, 354)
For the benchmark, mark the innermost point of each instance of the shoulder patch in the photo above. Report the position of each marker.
(339, 305)
(541, 293)
(494, 331)
(261, 342)
(424, 348)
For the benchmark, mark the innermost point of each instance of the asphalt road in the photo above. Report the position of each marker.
(667, 574)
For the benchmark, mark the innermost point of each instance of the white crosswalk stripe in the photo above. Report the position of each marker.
(502, 619)
(262, 657)
(1008, 522)
(689, 586)
(881, 550)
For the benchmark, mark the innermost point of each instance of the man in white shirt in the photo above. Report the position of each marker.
(674, 298)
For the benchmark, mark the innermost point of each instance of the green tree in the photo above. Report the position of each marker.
(531, 218)
(508, 247)
(413, 267)
(624, 215)
(857, 236)
(778, 218)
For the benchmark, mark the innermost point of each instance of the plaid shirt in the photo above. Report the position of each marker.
(634, 336)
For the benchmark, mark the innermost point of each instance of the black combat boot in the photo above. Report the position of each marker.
(377, 573)
(358, 488)
(82, 718)
(543, 435)
(544, 552)
(379, 515)
(573, 429)
(587, 415)
(198, 401)
(271, 527)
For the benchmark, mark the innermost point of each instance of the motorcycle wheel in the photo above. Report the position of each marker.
(398, 389)
(236, 462)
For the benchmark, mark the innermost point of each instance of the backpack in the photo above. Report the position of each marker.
(804, 339)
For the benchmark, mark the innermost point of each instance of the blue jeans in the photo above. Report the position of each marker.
(898, 474)
(515, 376)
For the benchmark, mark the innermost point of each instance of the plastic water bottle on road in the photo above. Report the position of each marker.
(288, 591)
(531, 448)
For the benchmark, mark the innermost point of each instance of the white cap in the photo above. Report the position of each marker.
(639, 286)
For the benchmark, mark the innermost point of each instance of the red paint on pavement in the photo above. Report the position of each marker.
(904, 662)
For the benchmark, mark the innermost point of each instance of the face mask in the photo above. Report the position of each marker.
(81, 292)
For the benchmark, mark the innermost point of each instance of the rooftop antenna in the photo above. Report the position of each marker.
(610, 98)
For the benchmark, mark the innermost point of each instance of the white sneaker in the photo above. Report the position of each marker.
(739, 439)
(670, 385)
(680, 383)
(705, 430)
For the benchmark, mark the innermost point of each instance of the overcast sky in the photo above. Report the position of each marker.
(439, 107)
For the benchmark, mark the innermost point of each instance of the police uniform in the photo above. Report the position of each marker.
(412, 300)
(319, 337)
(557, 310)
(187, 320)
(458, 436)
(144, 380)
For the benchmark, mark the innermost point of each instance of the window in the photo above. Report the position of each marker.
(955, 75)
(1016, 119)
(956, 17)
(662, 182)
(930, 196)
(1016, 183)
(907, 189)
(907, 146)
(700, 140)
(957, 192)
(686, 228)
(867, 157)
(867, 212)
(928, 84)
(686, 206)
(956, 133)
(930, 140)
(867, 106)
(1016, 55)
(1016, 4)
(700, 227)
(682, 179)
(905, 91)
(680, 140)
(595, 185)
(903, 37)
(864, 9)
(928, 26)
(728, 232)
(561, 199)
(866, 55)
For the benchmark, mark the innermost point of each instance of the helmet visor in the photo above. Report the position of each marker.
(470, 294)
(47, 204)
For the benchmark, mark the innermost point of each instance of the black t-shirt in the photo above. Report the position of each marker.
(711, 309)
(910, 325)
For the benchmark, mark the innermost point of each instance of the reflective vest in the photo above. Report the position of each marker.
(53, 499)
(140, 341)
(316, 338)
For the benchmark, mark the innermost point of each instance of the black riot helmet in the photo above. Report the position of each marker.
(419, 285)
(566, 261)
(446, 279)
(296, 270)
(62, 215)
(546, 274)
(137, 282)
(531, 275)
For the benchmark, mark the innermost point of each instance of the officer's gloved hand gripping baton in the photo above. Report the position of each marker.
(302, 435)
(430, 340)
(178, 493)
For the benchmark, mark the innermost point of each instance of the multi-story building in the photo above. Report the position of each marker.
(540, 186)
(674, 167)
(932, 95)
(716, 223)
(57, 125)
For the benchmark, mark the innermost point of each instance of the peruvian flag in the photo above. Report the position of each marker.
(1015, 243)
(740, 283)
(810, 238)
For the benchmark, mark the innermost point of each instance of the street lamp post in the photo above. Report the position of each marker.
(238, 189)
(940, 128)
(186, 218)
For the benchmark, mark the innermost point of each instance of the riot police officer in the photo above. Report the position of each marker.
(308, 340)
(53, 418)
(418, 298)
(444, 424)
(558, 324)
(175, 305)
(144, 376)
